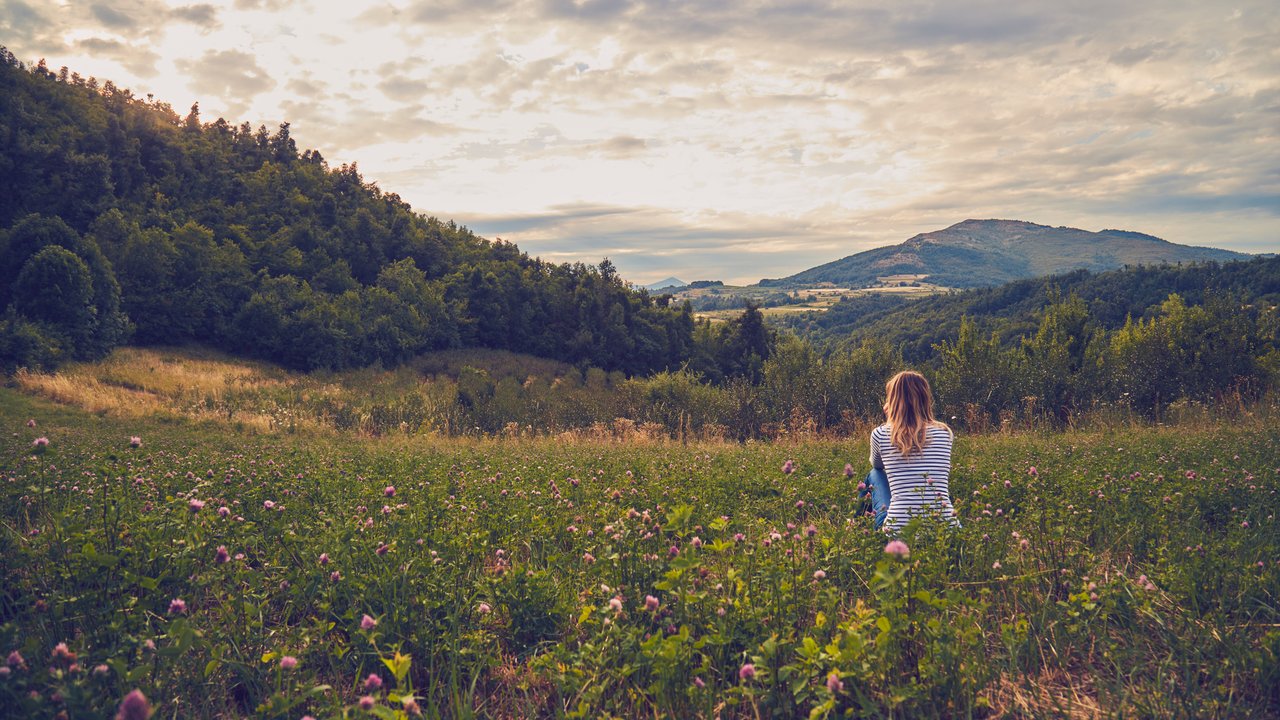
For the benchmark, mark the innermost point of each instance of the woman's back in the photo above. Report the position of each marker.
(919, 484)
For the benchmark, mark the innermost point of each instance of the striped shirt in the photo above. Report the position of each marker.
(918, 485)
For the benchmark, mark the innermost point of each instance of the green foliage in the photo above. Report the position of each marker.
(228, 237)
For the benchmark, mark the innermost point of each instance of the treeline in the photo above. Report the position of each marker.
(1182, 360)
(120, 220)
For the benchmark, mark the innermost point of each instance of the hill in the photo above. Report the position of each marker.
(670, 283)
(1013, 309)
(977, 253)
(122, 221)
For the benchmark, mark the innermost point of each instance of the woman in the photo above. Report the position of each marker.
(910, 456)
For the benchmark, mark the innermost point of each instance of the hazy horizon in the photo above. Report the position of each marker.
(733, 141)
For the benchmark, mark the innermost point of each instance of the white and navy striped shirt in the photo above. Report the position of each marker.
(918, 485)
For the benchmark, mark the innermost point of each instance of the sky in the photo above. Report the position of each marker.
(714, 139)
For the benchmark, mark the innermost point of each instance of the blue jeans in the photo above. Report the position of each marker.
(878, 490)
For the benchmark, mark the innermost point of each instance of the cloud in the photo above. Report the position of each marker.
(232, 75)
(266, 5)
(204, 15)
(27, 29)
(136, 58)
(675, 134)
(111, 17)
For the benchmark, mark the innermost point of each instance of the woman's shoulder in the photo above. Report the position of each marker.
(940, 428)
(881, 431)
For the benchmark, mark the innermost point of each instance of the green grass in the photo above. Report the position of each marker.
(492, 597)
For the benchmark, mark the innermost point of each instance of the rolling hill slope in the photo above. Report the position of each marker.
(916, 325)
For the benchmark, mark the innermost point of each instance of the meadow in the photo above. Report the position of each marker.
(226, 570)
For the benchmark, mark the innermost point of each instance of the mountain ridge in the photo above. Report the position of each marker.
(977, 253)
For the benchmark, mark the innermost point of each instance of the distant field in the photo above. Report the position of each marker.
(823, 297)
(1130, 573)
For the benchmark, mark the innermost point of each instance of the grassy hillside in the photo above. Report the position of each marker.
(1132, 572)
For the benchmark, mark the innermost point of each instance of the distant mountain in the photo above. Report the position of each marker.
(667, 284)
(977, 253)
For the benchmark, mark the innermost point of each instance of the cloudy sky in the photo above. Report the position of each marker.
(734, 140)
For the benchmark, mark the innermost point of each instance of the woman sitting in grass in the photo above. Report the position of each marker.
(910, 456)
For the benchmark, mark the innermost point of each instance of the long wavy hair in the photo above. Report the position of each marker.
(908, 406)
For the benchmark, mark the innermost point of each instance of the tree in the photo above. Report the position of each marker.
(54, 289)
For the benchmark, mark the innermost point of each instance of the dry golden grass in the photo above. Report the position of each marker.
(144, 382)
(1051, 694)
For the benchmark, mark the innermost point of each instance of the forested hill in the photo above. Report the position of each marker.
(122, 221)
(984, 253)
(1013, 310)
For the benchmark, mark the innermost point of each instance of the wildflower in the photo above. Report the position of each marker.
(366, 703)
(410, 705)
(288, 662)
(834, 683)
(335, 576)
(696, 542)
(389, 491)
(588, 558)
(135, 441)
(368, 623)
(819, 574)
(224, 511)
(615, 604)
(41, 442)
(699, 683)
(268, 504)
(195, 505)
(373, 682)
(848, 470)
(1244, 524)
(650, 603)
(382, 549)
(739, 537)
(484, 608)
(324, 558)
(220, 556)
(898, 548)
(1025, 544)
(15, 660)
(31, 422)
(134, 707)
(101, 670)
(1032, 471)
(788, 467)
(811, 530)
(177, 606)
(747, 672)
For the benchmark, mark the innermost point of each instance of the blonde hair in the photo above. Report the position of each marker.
(908, 406)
